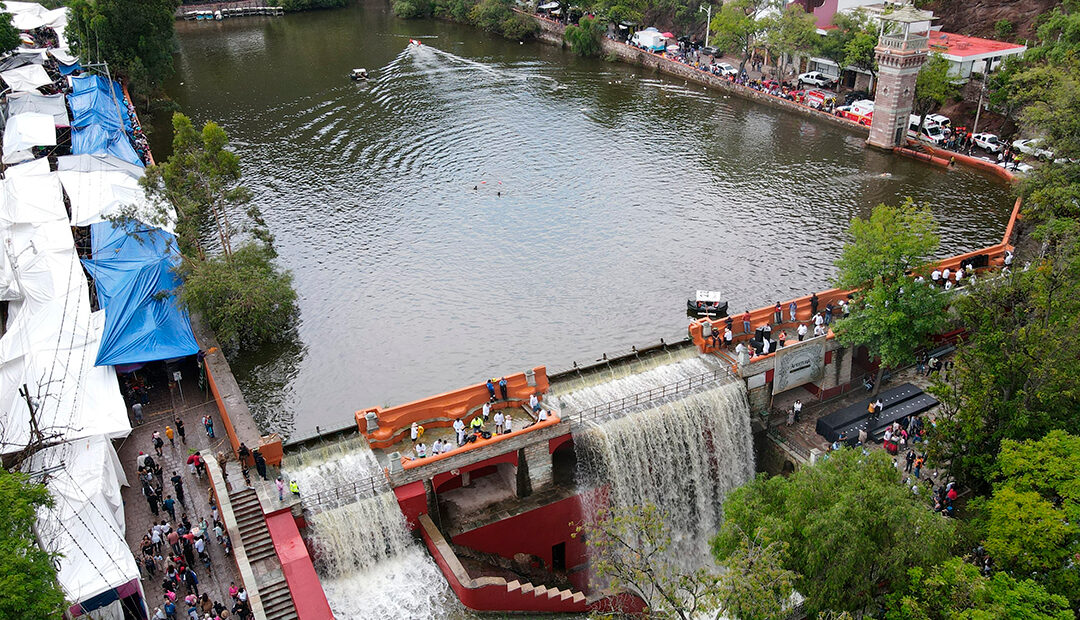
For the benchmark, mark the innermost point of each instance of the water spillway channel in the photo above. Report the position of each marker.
(604, 197)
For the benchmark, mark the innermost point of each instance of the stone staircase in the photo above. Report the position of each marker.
(274, 592)
(541, 591)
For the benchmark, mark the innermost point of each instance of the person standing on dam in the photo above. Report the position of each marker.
(459, 428)
(792, 309)
(746, 322)
(502, 388)
(491, 388)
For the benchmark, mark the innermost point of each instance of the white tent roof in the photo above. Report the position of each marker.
(93, 162)
(31, 198)
(97, 195)
(26, 77)
(63, 57)
(86, 524)
(52, 352)
(26, 131)
(20, 103)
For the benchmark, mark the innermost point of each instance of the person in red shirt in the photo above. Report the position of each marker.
(746, 322)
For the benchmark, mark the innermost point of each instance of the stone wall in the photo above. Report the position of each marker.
(552, 32)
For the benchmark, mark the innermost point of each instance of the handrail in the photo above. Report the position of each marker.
(648, 396)
(366, 486)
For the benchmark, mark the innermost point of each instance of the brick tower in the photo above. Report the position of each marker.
(900, 54)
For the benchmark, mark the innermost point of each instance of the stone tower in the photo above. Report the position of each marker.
(900, 54)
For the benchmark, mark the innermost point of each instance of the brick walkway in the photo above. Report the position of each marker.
(164, 405)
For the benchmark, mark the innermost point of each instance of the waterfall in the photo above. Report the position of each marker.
(683, 456)
(578, 395)
(369, 564)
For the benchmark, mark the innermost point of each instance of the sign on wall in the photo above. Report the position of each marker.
(798, 364)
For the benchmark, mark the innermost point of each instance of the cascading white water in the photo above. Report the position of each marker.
(576, 396)
(683, 456)
(368, 563)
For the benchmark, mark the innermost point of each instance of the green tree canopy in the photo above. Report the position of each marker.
(135, 37)
(1017, 375)
(789, 31)
(9, 34)
(851, 43)
(27, 577)
(848, 523)
(956, 590)
(1033, 518)
(891, 314)
(933, 86)
(736, 26)
(584, 37)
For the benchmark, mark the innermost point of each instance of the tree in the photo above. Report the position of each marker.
(629, 547)
(848, 523)
(736, 26)
(933, 87)
(851, 43)
(244, 297)
(27, 575)
(1033, 517)
(754, 582)
(135, 37)
(891, 314)
(9, 34)
(956, 589)
(1016, 374)
(788, 32)
(585, 37)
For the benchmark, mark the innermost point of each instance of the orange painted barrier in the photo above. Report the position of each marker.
(441, 410)
(970, 161)
(410, 463)
(932, 159)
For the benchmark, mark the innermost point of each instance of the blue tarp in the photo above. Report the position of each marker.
(69, 69)
(96, 139)
(132, 266)
(97, 107)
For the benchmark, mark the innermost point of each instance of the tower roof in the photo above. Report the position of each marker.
(908, 14)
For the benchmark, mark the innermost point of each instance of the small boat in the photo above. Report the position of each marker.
(707, 303)
(359, 74)
(415, 42)
(217, 15)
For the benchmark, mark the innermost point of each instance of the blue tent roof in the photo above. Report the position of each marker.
(96, 139)
(98, 107)
(69, 69)
(132, 266)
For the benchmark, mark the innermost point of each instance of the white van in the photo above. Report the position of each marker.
(931, 132)
(649, 39)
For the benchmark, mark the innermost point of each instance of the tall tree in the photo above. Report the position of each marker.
(789, 31)
(933, 87)
(9, 34)
(584, 37)
(851, 43)
(1033, 517)
(892, 314)
(27, 576)
(848, 523)
(1016, 373)
(956, 589)
(736, 26)
(135, 37)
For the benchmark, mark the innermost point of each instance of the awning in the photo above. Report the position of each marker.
(27, 77)
(98, 139)
(667, 35)
(19, 103)
(709, 296)
(26, 131)
(548, 6)
(31, 196)
(98, 195)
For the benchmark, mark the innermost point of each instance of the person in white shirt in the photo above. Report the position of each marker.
(508, 425)
(534, 402)
(819, 330)
(801, 331)
(948, 285)
(797, 408)
(499, 422)
(541, 415)
(728, 336)
(818, 319)
(421, 450)
(935, 276)
(765, 344)
(945, 274)
(959, 276)
(414, 431)
(487, 410)
(459, 428)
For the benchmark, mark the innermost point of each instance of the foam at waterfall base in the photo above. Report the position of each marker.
(684, 457)
(621, 384)
(335, 471)
(408, 586)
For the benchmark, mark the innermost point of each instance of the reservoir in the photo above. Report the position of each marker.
(480, 206)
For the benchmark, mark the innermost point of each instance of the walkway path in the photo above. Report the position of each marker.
(164, 406)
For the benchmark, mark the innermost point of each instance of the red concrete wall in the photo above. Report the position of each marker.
(477, 469)
(534, 532)
(412, 498)
(307, 593)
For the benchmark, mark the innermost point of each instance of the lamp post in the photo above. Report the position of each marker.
(708, 20)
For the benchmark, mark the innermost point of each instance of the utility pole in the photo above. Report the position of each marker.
(978, 109)
(708, 20)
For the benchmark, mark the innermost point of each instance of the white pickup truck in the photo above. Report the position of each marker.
(816, 78)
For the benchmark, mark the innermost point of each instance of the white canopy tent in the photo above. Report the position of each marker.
(31, 197)
(26, 131)
(99, 194)
(86, 524)
(26, 77)
(21, 103)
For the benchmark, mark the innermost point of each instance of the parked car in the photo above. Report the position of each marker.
(709, 50)
(988, 141)
(816, 78)
(857, 95)
(726, 69)
(940, 120)
(1030, 146)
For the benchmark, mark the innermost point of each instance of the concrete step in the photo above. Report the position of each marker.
(540, 591)
(578, 597)
(527, 587)
(513, 586)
